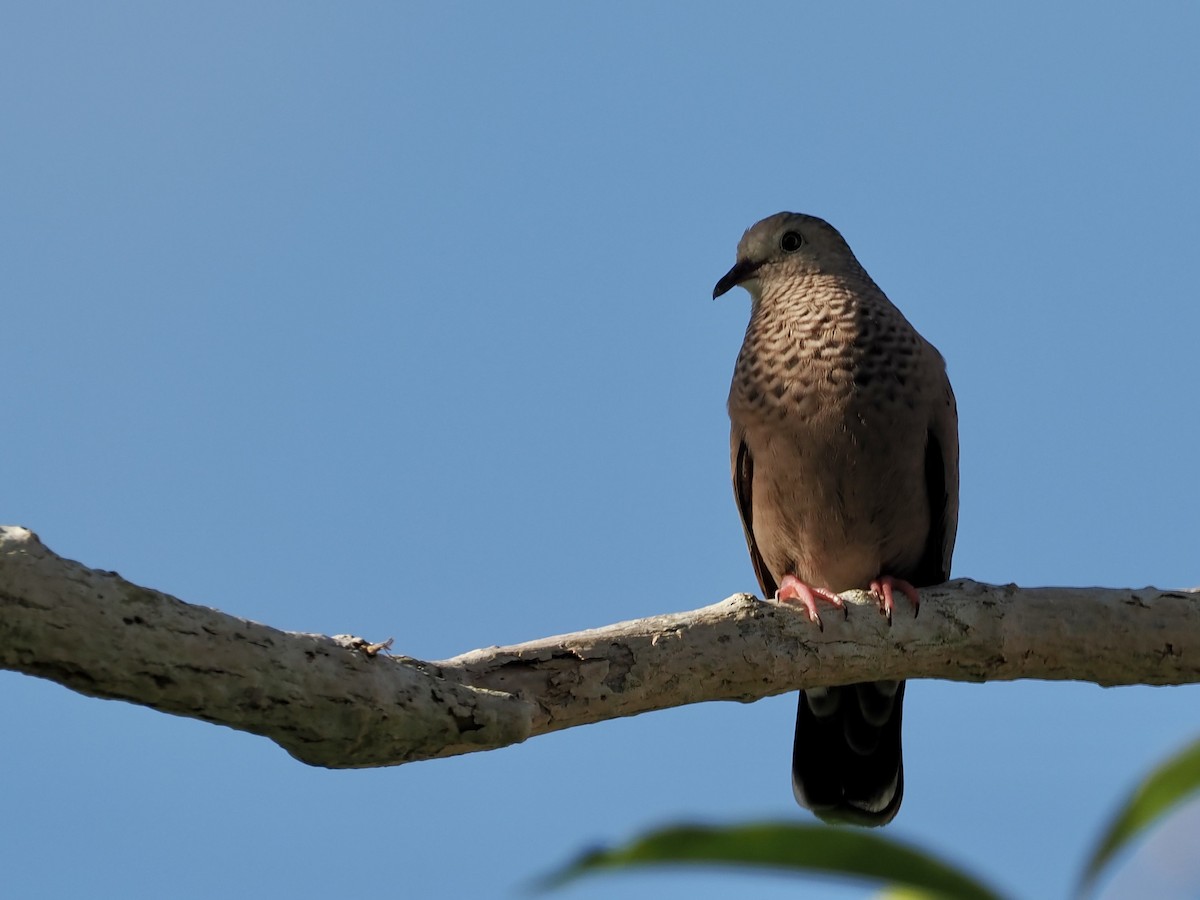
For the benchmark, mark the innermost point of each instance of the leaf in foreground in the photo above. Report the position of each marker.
(1161, 791)
(802, 849)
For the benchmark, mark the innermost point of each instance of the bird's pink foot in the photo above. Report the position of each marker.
(884, 587)
(793, 590)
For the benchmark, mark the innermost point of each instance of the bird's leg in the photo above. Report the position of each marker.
(793, 590)
(883, 587)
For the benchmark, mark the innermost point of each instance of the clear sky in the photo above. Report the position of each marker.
(396, 320)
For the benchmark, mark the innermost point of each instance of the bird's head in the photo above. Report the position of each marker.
(785, 246)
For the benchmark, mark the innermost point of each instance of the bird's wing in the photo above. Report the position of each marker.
(743, 481)
(941, 484)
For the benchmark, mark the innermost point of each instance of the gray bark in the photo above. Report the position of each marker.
(337, 702)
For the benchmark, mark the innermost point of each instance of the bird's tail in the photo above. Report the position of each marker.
(846, 763)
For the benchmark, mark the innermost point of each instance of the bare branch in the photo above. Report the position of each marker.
(337, 702)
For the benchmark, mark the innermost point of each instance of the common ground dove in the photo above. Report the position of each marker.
(844, 445)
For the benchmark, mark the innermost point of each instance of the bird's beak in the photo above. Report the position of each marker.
(743, 270)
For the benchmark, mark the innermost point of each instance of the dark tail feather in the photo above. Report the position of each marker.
(846, 763)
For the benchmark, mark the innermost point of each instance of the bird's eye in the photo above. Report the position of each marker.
(791, 241)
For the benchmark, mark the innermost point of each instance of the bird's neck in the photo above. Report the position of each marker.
(818, 308)
(805, 344)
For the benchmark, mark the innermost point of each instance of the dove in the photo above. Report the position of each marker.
(844, 453)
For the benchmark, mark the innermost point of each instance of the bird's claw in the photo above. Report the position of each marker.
(793, 590)
(362, 645)
(884, 587)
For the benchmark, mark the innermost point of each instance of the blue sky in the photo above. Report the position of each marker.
(395, 320)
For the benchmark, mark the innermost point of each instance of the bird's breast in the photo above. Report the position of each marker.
(829, 405)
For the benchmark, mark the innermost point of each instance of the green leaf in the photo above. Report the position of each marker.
(1162, 790)
(803, 849)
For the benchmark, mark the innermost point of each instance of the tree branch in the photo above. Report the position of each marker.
(332, 701)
